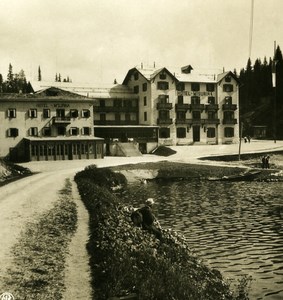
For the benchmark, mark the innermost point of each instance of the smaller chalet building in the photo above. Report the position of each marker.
(51, 124)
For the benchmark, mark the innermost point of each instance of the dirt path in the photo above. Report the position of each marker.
(77, 273)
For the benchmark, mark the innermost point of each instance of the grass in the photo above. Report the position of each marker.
(37, 271)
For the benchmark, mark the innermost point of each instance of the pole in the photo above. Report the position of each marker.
(240, 143)
(275, 96)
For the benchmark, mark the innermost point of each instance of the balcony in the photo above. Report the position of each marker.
(164, 121)
(182, 106)
(113, 122)
(61, 120)
(212, 107)
(196, 107)
(114, 109)
(229, 106)
(190, 121)
(166, 106)
(212, 121)
(230, 121)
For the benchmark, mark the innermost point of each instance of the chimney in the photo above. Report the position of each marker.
(141, 65)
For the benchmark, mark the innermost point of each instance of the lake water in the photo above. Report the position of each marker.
(235, 227)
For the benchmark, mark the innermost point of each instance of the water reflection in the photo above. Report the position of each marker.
(234, 227)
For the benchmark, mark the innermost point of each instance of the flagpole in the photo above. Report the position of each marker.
(275, 96)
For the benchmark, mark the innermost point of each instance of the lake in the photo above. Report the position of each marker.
(235, 227)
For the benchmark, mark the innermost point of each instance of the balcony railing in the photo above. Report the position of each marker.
(196, 107)
(230, 121)
(164, 106)
(182, 106)
(190, 121)
(229, 106)
(211, 107)
(113, 122)
(61, 120)
(114, 109)
(164, 121)
(212, 121)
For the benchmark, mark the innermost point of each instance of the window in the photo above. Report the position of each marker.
(86, 131)
(195, 100)
(163, 99)
(210, 132)
(228, 100)
(145, 116)
(229, 132)
(13, 132)
(32, 113)
(195, 86)
(117, 117)
(85, 113)
(144, 101)
(181, 115)
(136, 76)
(211, 115)
(60, 113)
(180, 99)
(227, 88)
(46, 113)
(228, 79)
(136, 89)
(210, 87)
(196, 115)
(128, 117)
(102, 103)
(46, 131)
(229, 115)
(162, 76)
(128, 103)
(164, 133)
(102, 117)
(61, 130)
(180, 86)
(117, 103)
(33, 131)
(11, 113)
(181, 132)
(74, 131)
(163, 114)
(162, 85)
(144, 87)
(211, 100)
(74, 113)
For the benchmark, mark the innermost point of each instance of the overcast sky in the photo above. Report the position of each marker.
(97, 41)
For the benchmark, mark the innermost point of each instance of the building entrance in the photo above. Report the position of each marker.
(196, 133)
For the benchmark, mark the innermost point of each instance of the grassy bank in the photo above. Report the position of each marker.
(37, 271)
(128, 260)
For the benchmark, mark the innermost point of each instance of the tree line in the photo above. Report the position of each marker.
(261, 97)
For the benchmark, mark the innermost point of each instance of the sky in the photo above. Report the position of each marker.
(97, 41)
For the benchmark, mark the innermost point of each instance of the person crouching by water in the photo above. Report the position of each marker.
(144, 217)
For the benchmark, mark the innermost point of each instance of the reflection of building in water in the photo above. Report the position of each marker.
(259, 132)
(50, 125)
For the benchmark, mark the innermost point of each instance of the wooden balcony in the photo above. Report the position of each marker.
(61, 120)
(115, 109)
(229, 106)
(212, 121)
(211, 107)
(182, 107)
(166, 106)
(113, 122)
(164, 121)
(196, 107)
(230, 121)
(190, 121)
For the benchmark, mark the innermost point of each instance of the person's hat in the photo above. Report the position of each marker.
(149, 201)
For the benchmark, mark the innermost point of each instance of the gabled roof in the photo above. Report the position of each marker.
(221, 76)
(148, 73)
